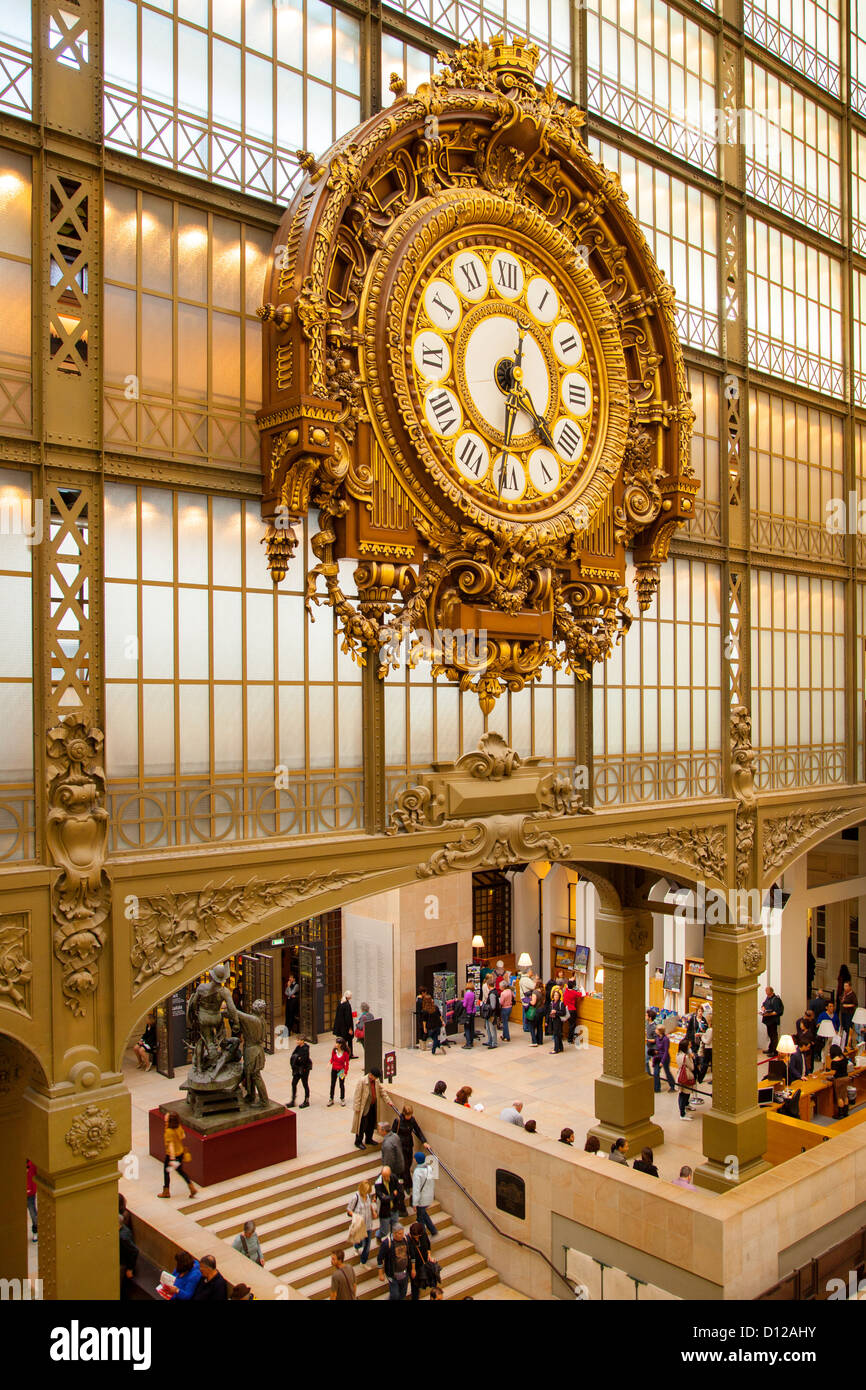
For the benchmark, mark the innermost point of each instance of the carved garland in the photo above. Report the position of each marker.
(702, 849)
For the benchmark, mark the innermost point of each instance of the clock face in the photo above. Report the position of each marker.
(503, 366)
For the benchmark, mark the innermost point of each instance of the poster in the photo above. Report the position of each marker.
(473, 977)
(673, 976)
(581, 959)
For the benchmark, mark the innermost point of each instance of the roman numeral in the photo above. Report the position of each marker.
(469, 271)
(544, 300)
(510, 483)
(443, 409)
(446, 308)
(547, 475)
(471, 457)
(432, 357)
(577, 396)
(569, 344)
(569, 440)
(506, 274)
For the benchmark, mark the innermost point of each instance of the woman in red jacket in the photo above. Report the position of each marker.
(339, 1069)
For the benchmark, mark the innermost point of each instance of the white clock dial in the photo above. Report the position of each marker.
(542, 299)
(432, 356)
(506, 275)
(568, 438)
(442, 305)
(576, 393)
(509, 477)
(567, 343)
(443, 412)
(544, 471)
(471, 456)
(470, 276)
(493, 340)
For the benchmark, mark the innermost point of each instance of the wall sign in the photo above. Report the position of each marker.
(390, 1061)
(510, 1193)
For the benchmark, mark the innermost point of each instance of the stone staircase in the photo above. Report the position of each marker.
(301, 1215)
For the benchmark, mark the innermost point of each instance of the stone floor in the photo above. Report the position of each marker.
(556, 1091)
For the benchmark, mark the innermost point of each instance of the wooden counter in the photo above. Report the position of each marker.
(590, 1015)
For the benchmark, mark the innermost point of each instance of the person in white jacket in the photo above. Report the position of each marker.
(423, 1192)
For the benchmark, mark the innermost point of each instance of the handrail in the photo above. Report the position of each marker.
(570, 1284)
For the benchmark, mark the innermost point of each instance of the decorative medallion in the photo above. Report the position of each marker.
(472, 369)
(752, 957)
(90, 1132)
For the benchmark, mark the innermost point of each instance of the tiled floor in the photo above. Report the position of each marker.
(556, 1091)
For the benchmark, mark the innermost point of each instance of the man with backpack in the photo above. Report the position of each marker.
(468, 1016)
(392, 1202)
(393, 1260)
(771, 1016)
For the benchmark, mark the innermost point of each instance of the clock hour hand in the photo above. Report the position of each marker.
(525, 400)
(512, 401)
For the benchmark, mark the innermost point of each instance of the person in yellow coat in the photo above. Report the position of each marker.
(175, 1154)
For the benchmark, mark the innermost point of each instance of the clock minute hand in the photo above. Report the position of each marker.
(525, 400)
(512, 400)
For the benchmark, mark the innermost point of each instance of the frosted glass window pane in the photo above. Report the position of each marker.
(260, 728)
(226, 84)
(320, 130)
(228, 728)
(321, 725)
(192, 245)
(226, 542)
(192, 538)
(121, 730)
(259, 98)
(121, 232)
(290, 105)
(192, 344)
(156, 243)
(320, 636)
(634, 740)
(226, 357)
(226, 252)
(158, 708)
(193, 631)
(157, 632)
(121, 40)
(293, 726)
(156, 345)
(15, 607)
(257, 30)
(351, 726)
(447, 705)
(291, 636)
(18, 516)
(542, 723)
(227, 18)
(521, 722)
(192, 68)
(15, 280)
(473, 722)
(15, 204)
(347, 52)
(16, 732)
(121, 352)
(157, 560)
(157, 56)
(256, 569)
(120, 524)
(395, 724)
(565, 746)
(319, 41)
(194, 719)
(121, 631)
(226, 635)
(260, 637)
(421, 726)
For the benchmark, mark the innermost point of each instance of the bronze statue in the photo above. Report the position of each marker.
(205, 1007)
(253, 1028)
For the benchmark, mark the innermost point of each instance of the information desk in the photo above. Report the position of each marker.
(788, 1136)
(817, 1094)
(590, 1015)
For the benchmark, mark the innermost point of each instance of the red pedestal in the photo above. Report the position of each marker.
(230, 1152)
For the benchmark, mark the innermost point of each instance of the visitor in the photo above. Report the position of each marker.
(293, 1000)
(187, 1276)
(827, 1015)
(432, 1022)
(362, 1213)
(645, 1164)
(364, 1017)
(650, 1029)
(619, 1151)
(407, 1129)
(393, 1260)
(592, 1145)
(469, 1011)
(241, 1293)
(369, 1107)
(145, 1048)
(535, 1014)
(175, 1154)
(771, 1016)
(705, 1058)
(123, 1210)
(418, 1243)
(424, 1192)
(301, 1064)
(837, 1064)
(439, 1089)
(248, 1244)
(662, 1060)
(31, 1200)
(685, 1178)
(128, 1257)
(420, 1028)
(344, 1022)
(842, 979)
(212, 1287)
(847, 1005)
(556, 1014)
(490, 1011)
(340, 1058)
(796, 1068)
(530, 1127)
(506, 1004)
(685, 1077)
(571, 999)
(436, 1293)
(511, 1114)
(391, 1198)
(566, 1136)
(342, 1277)
(804, 1037)
(462, 1096)
(392, 1151)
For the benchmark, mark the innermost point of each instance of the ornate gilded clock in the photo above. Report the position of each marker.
(472, 371)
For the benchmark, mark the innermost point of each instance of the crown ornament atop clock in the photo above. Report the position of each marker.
(473, 379)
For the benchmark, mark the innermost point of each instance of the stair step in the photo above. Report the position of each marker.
(352, 1168)
(286, 1197)
(285, 1255)
(462, 1260)
(308, 1268)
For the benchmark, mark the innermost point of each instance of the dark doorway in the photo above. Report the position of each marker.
(434, 958)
